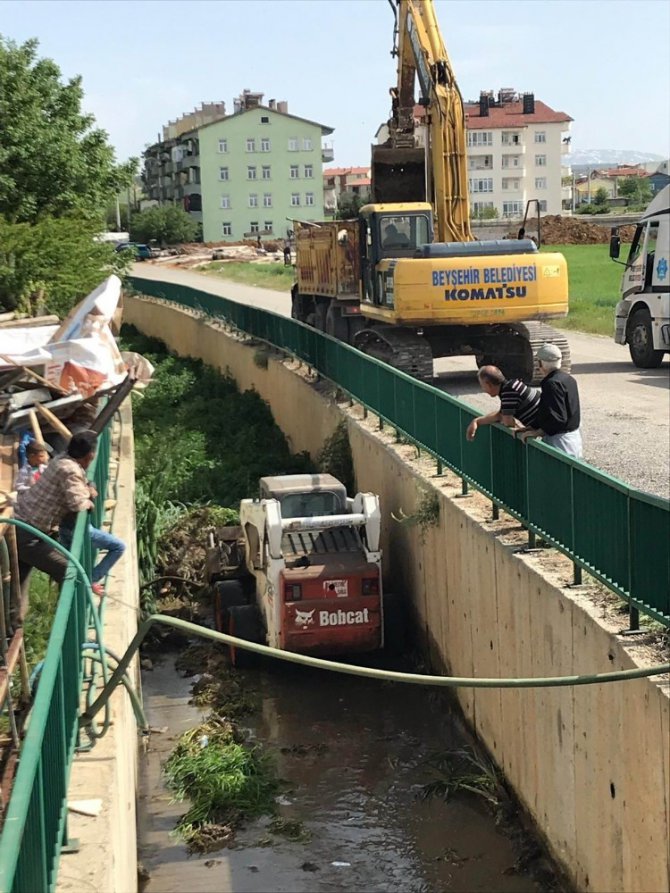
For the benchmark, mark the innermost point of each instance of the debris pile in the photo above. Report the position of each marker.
(53, 374)
(557, 230)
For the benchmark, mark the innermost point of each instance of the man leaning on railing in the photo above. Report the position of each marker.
(61, 489)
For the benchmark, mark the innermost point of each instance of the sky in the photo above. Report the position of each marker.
(606, 63)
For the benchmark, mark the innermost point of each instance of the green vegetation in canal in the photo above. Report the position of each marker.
(594, 288)
(335, 457)
(43, 602)
(225, 781)
(270, 275)
(219, 686)
(198, 440)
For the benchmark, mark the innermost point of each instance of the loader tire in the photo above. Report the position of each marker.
(227, 594)
(244, 622)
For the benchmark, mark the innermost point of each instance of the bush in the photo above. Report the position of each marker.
(167, 225)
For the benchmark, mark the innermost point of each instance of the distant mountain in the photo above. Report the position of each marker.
(609, 158)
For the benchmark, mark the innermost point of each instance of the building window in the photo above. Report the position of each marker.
(295, 199)
(307, 144)
(267, 226)
(295, 171)
(225, 201)
(265, 144)
(479, 208)
(541, 160)
(251, 144)
(509, 138)
(511, 161)
(251, 172)
(265, 119)
(223, 173)
(540, 182)
(480, 162)
(540, 136)
(253, 200)
(254, 227)
(267, 200)
(223, 145)
(267, 172)
(309, 171)
(293, 144)
(227, 229)
(511, 183)
(511, 209)
(485, 185)
(309, 198)
(480, 138)
(543, 206)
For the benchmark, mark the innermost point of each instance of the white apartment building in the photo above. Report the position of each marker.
(516, 149)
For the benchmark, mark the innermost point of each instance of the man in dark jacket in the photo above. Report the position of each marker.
(558, 415)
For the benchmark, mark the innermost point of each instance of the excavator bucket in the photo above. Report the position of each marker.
(398, 175)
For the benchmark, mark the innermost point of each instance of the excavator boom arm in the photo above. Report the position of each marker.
(423, 55)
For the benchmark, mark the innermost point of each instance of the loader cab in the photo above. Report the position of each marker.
(390, 231)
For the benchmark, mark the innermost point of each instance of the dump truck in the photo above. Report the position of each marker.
(642, 316)
(303, 570)
(406, 282)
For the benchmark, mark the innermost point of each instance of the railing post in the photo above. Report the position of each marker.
(576, 574)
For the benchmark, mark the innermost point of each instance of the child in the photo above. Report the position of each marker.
(37, 456)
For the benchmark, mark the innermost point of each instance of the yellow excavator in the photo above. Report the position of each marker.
(385, 284)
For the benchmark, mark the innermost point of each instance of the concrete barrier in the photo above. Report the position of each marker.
(589, 763)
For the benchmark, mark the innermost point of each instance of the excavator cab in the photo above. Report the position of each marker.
(390, 231)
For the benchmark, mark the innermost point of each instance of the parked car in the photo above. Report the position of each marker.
(142, 252)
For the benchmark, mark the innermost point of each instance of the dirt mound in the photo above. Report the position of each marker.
(557, 230)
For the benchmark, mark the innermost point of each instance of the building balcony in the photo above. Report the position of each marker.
(327, 153)
(514, 148)
(518, 171)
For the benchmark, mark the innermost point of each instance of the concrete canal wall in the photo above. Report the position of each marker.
(589, 763)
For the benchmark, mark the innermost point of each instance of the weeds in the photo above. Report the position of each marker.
(426, 514)
(43, 601)
(225, 782)
(462, 771)
(335, 457)
(219, 687)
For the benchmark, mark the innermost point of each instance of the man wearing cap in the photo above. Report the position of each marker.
(558, 415)
(518, 403)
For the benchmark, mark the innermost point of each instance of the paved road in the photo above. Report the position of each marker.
(625, 410)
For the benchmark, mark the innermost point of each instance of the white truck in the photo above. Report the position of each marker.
(302, 571)
(643, 313)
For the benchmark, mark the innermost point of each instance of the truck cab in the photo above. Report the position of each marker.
(643, 314)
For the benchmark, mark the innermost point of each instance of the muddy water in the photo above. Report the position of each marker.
(353, 754)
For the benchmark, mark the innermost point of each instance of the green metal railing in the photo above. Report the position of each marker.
(616, 533)
(35, 824)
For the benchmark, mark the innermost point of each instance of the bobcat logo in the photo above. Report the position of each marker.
(304, 618)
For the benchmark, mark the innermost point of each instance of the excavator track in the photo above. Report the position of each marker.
(536, 333)
(401, 348)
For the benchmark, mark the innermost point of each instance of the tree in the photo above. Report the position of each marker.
(349, 205)
(57, 175)
(636, 189)
(50, 265)
(52, 158)
(167, 224)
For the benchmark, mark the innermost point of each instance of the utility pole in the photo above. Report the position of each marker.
(128, 196)
(118, 215)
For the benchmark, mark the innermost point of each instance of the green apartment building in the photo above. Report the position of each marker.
(259, 167)
(243, 175)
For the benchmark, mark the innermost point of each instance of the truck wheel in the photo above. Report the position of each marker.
(227, 594)
(337, 326)
(394, 624)
(244, 622)
(320, 313)
(641, 342)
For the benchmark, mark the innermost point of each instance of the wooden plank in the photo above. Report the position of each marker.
(11, 659)
(53, 420)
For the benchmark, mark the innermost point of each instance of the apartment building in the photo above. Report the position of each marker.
(243, 175)
(516, 147)
(339, 181)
